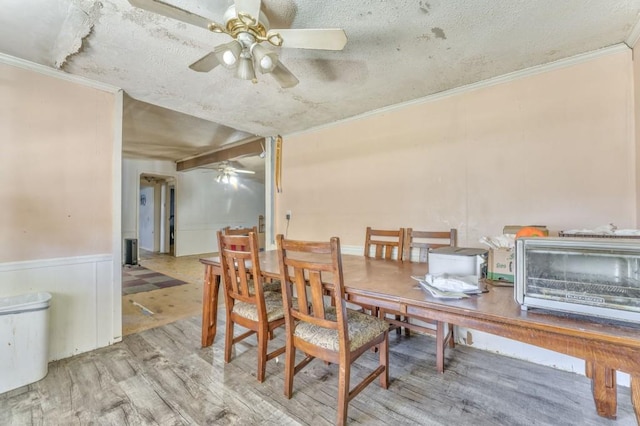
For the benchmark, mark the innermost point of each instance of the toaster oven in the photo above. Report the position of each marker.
(595, 277)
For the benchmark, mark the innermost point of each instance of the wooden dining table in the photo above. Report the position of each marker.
(606, 346)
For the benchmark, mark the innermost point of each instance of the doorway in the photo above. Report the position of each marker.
(158, 289)
(156, 214)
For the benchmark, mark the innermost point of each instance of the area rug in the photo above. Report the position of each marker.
(137, 279)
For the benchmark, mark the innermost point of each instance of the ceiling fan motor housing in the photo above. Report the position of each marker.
(238, 23)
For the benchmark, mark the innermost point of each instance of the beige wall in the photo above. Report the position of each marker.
(56, 167)
(555, 148)
(60, 198)
(636, 114)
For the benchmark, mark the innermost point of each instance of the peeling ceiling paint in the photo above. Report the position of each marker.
(397, 51)
(78, 24)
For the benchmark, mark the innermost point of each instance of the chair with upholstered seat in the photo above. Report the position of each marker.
(417, 245)
(247, 303)
(269, 284)
(324, 330)
(383, 244)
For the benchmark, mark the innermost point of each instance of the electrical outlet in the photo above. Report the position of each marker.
(288, 216)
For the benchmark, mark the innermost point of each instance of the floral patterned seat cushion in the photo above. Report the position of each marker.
(273, 304)
(362, 328)
(273, 286)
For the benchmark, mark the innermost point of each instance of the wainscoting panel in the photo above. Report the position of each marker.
(82, 305)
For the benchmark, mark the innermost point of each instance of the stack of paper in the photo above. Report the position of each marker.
(446, 286)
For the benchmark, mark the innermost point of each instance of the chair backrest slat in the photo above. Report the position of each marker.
(317, 293)
(301, 289)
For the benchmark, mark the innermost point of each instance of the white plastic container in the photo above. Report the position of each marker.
(24, 339)
(458, 261)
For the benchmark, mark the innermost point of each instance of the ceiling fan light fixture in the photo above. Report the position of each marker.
(229, 53)
(264, 58)
(249, 27)
(245, 69)
(228, 58)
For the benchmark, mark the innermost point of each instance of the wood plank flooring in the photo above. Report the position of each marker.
(162, 377)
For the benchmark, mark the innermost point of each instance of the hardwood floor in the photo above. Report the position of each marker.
(161, 376)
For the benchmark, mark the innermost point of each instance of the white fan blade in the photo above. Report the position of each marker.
(250, 7)
(283, 76)
(251, 172)
(326, 38)
(206, 63)
(170, 11)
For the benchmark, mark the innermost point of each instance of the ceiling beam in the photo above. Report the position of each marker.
(255, 147)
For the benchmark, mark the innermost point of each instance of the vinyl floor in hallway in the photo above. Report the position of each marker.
(142, 311)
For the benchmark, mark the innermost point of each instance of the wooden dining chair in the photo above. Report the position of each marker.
(383, 243)
(269, 284)
(227, 230)
(322, 330)
(246, 302)
(418, 244)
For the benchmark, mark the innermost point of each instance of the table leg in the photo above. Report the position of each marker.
(440, 346)
(210, 292)
(603, 387)
(635, 396)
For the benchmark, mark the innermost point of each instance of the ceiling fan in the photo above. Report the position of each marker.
(249, 28)
(227, 173)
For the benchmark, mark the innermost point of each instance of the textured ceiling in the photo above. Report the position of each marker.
(396, 51)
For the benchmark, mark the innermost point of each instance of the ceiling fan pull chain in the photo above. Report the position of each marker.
(217, 28)
(248, 20)
(274, 38)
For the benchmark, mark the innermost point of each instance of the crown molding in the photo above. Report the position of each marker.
(634, 35)
(52, 72)
(538, 69)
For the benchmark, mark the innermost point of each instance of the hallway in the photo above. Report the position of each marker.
(143, 311)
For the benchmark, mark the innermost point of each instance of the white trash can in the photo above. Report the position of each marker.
(24, 339)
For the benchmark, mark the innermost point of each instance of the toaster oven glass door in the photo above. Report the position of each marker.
(589, 275)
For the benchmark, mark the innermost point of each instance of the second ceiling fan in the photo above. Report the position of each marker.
(249, 28)
(227, 172)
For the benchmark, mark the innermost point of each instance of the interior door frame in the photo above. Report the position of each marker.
(162, 185)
